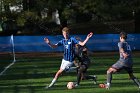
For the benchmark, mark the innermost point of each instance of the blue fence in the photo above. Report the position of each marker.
(99, 42)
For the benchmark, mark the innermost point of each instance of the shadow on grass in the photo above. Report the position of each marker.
(40, 69)
(118, 87)
(25, 75)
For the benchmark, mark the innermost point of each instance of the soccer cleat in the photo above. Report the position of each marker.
(47, 87)
(95, 79)
(104, 86)
(76, 85)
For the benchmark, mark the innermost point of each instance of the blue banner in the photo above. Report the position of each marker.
(99, 42)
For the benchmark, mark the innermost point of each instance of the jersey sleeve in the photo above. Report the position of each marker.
(120, 45)
(60, 43)
(75, 40)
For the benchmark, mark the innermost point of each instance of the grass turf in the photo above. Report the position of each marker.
(32, 75)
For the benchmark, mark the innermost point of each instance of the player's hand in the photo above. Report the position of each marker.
(90, 34)
(85, 49)
(125, 55)
(46, 40)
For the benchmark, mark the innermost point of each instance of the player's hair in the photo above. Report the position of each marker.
(123, 35)
(66, 29)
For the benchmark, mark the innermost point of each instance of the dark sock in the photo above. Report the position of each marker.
(78, 78)
(89, 77)
(136, 81)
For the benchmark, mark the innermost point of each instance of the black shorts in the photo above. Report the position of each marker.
(119, 65)
(86, 63)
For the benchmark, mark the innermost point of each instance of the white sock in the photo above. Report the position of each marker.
(53, 82)
(108, 84)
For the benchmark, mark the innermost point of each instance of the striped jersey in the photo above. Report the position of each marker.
(69, 46)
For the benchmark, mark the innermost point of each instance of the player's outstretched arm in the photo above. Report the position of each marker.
(87, 38)
(49, 43)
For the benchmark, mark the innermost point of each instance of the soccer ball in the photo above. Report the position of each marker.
(102, 85)
(70, 85)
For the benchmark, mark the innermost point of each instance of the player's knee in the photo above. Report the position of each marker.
(131, 76)
(80, 69)
(110, 70)
(60, 71)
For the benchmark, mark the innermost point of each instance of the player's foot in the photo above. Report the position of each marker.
(104, 86)
(76, 85)
(95, 79)
(47, 87)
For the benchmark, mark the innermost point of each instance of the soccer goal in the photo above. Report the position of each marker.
(7, 54)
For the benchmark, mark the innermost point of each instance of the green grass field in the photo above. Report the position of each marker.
(31, 75)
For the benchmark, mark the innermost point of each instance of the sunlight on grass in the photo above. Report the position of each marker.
(32, 77)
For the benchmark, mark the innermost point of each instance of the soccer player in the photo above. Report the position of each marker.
(83, 64)
(68, 58)
(125, 62)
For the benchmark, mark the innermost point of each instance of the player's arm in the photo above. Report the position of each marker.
(123, 53)
(87, 38)
(76, 63)
(49, 43)
(85, 49)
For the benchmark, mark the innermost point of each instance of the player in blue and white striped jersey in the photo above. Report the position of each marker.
(68, 57)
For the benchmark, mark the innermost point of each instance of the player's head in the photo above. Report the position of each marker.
(66, 29)
(123, 36)
(65, 32)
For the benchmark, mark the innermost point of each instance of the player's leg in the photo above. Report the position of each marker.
(115, 67)
(59, 72)
(79, 74)
(70, 69)
(136, 81)
(64, 66)
(110, 71)
(88, 77)
(91, 77)
(130, 72)
(84, 70)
